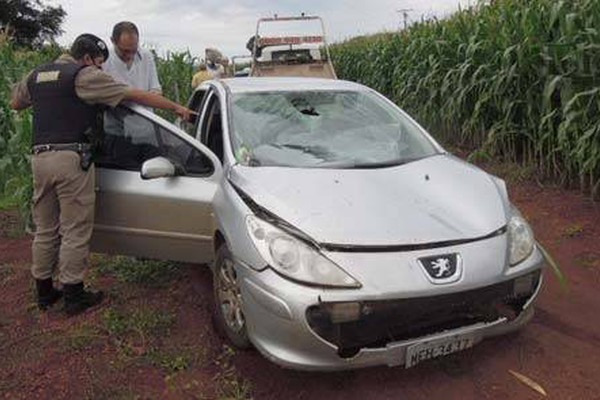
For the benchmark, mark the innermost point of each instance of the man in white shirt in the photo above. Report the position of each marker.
(134, 66)
(128, 62)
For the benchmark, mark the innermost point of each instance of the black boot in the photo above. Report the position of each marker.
(46, 294)
(77, 300)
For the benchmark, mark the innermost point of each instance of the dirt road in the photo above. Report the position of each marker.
(98, 355)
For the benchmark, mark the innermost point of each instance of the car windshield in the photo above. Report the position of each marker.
(323, 129)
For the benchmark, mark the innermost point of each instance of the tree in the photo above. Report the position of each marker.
(30, 23)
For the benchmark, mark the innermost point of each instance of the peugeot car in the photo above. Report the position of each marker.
(339, 232)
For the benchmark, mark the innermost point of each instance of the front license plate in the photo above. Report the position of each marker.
(436, 348)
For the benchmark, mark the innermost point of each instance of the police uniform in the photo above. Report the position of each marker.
(64, 96)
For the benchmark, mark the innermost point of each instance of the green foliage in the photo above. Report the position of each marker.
(145, 322)
(144, 272)
(573, 230)
(556, 269)
(16, 128)
(231, 386)
(82, 337)
(519, 79)
(171, 362)
(175, 73)
(30, 22)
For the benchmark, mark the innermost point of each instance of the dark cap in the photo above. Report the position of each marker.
(89, 44)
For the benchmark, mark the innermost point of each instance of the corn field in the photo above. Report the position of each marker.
(175, 73)
(517, 79)
(15, 128)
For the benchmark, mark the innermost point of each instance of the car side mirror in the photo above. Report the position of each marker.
(157, 167)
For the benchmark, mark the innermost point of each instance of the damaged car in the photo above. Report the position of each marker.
(339, 232)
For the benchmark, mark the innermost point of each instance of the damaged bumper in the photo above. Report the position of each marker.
(316, 329)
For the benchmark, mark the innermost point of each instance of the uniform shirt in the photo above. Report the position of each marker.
(141, 74)
(92, 85)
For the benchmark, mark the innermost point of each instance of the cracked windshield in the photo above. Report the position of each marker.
(323, 129)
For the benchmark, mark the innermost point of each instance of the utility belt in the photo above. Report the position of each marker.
(83, 149)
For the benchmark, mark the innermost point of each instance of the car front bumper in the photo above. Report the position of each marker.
(276, 317)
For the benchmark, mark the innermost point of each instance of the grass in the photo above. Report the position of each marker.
(83, 337)
(171, 362)
(573, 230)
(136, 331)
(151, 273)
(143, 321)
(230, 385)
(511, 172)
(590, 260)
(6, 272)
(7, 203)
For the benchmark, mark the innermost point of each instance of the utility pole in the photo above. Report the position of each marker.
(404, 12)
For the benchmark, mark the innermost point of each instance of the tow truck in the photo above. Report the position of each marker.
(291, 55)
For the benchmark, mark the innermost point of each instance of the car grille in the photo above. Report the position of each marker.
(382, 322)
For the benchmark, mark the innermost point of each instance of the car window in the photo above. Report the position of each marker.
(130, 139)
(196, 103)
(323, 129)
(211, 131)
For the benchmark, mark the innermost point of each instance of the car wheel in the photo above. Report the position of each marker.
(228, 315)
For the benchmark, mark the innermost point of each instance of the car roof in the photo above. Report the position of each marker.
(260, 84)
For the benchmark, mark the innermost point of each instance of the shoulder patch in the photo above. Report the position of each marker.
(47, 76)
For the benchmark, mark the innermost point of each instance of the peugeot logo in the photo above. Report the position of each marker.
(442, 268)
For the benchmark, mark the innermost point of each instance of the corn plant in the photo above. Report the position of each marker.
(16, 128)
(517, 79)
(175, 72)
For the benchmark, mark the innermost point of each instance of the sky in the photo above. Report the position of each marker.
(179, 25)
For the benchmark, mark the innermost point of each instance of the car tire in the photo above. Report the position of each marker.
(228, 317)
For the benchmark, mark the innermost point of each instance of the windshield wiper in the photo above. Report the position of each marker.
(316, 151)
(387, 164)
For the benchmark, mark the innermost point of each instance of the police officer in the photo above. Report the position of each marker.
(65, 96)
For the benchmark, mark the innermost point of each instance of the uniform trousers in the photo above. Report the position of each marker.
(63, 214)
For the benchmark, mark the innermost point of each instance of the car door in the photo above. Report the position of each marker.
(195, 103)
(166, 217)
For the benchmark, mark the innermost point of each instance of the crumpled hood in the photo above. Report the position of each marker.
(436, 199)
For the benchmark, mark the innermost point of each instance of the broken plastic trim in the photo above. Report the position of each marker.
(270, 217)
(406, 247)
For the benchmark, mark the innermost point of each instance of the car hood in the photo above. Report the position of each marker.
(439, 198)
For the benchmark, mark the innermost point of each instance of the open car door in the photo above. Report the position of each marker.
(154, 189)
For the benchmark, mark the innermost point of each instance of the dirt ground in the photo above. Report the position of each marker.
(169, 349)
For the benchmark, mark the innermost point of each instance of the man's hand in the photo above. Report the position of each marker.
(151, 99)
(185, 113)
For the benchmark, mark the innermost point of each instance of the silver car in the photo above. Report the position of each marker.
(340, 234)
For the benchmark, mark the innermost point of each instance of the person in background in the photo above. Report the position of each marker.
(65, 96)
(200, 76)
(215, 67)
(128, 62)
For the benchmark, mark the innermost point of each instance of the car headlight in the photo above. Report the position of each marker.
(521, 241)
(293, 258)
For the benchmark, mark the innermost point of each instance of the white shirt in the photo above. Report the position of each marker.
(140, 75)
